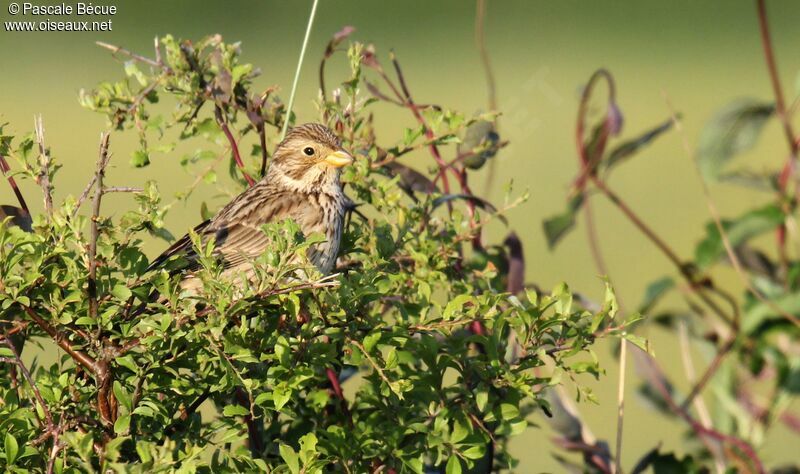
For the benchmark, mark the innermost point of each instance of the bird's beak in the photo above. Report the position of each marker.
(337, 159)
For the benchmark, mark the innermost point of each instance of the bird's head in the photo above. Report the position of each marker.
(310, 158)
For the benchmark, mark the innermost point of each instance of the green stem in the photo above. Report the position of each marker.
(299, 66)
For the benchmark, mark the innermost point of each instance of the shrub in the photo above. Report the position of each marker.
(445, 352)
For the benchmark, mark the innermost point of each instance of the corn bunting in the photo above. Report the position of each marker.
(302, 184)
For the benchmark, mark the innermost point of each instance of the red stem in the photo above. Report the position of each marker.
(780, 109)
(5, 169)
(234, 147)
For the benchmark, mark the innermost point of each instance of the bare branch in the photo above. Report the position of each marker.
(122, 189)
(44, 166)
(137, 57)
(102, 162)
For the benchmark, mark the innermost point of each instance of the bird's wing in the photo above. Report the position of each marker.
(236, 229)
(182, 246)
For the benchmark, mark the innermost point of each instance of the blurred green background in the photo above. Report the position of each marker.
(703, 54)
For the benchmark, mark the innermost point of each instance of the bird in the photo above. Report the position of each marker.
(303, 183)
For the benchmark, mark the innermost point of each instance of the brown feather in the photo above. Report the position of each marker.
(298, 187)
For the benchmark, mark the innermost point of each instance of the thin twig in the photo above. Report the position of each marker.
(712, 209)
(122, 189)
(44, 166)
(684, 270)
(769, 55)
(780, 108)
(657, 380)
(299, 66)
(699, 404)
(712, 368)
(372, 362)
(84, 195)
(480, 41)
(27, 374)
(57, 446)
(491, 88)
(623, 360)
(232, 142)
(117, 49)
(102, 162)
(6, 172)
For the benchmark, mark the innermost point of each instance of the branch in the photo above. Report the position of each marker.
(657, 380)
(44, 171)
(780, 108)
(685, 271)
(699, 404)
(61, 339)
(122, 189)
(371, 362)
(27, 374)
(769, 55)
(491, 90)
(137, 57)
(712, 209)
(461, 176)
(6, 169)
(232, 142)
(406, 101)
(102, 162)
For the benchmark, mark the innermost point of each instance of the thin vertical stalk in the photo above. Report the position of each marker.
(623, 359)
(299, 66)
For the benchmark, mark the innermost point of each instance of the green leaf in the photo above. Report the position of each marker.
(478, 201)
(474, 452)
(371, 340)
(235, 410)
(11, 448)
(508, 411)
(654, 292)
(460, 431)
(122, 424)
(280, 396)
(631, 147)
(140, 158)
(122, 395)
(638, 341)
(453, 465)
(121, 292)
(739, 231)
(556, 227)
(481, 399)
(759, 312)
(732, 130)
(290, 458)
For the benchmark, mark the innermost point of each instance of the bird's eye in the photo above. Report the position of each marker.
(308, 151)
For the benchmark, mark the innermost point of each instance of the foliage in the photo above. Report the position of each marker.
(751, 326)
(443, 364)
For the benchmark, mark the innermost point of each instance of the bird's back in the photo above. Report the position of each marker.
(238, 238)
